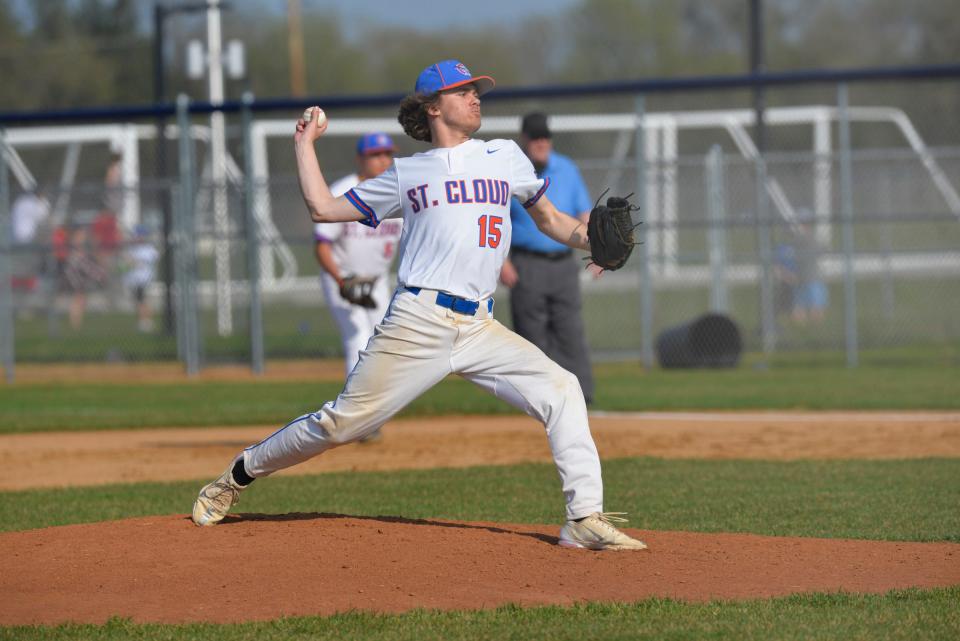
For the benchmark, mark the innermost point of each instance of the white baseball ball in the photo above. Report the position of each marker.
(321, 117)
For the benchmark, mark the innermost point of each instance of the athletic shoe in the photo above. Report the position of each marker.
(596, 532)
(216, 499)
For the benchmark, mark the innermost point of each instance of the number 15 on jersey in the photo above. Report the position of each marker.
(490, 234)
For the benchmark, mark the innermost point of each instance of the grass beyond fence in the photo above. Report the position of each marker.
(911, 323)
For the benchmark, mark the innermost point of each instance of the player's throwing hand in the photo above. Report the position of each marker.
(311, 125)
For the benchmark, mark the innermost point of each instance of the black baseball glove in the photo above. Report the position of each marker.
(610, 232)
(358, 291)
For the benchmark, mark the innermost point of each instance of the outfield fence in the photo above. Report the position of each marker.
(846, 196)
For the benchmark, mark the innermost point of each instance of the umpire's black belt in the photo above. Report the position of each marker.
(455, 303)
(560, 255)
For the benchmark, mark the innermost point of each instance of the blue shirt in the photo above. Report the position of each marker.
(567, 192)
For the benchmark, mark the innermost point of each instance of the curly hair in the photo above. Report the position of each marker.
(413, 116)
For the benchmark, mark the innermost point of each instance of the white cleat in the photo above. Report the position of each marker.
(596, 532)
(216, 499)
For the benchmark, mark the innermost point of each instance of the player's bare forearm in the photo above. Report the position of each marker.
(558, 226)
(321, 204)
(313, 187)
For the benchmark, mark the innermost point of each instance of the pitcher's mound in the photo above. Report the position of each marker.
(254, 566)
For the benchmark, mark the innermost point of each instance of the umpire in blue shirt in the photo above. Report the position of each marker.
(542, 274)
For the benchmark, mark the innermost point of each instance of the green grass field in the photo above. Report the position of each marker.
(908, 614)
(900, 500)
(911, 500)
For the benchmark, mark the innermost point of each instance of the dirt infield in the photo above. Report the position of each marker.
(90, 458)
(164, 569)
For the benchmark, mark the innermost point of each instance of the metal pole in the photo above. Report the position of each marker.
(185, 237)
(164, 198)
(646, 280)
(6, 290)
(177, 236)
(717, 236)
(253, 246)
(757, 66)
(846, 212)
(767, 314)
(218, 173)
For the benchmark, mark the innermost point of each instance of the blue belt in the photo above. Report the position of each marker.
(457, 304)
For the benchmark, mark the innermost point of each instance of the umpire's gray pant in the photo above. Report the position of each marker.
(547, 311)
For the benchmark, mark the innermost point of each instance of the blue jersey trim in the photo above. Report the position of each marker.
(370, 219)
(533, 200)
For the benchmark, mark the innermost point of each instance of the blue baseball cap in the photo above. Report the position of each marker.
(448, 74)
(374, 143)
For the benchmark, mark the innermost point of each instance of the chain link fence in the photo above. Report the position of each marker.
(839, 243)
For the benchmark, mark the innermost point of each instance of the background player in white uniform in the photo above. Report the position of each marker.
(455, 204)
(358, 250)
(141, 258)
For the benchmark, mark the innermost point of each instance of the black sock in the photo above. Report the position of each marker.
(240, 475)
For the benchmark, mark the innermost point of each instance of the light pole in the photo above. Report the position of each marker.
(218, 161)
(214, 67)
(162, 11)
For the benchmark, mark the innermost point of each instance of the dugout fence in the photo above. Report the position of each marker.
(862, 156)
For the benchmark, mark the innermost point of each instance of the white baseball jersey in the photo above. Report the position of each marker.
(359, 250)
(143, 259)
(27, 212)
(455, 205)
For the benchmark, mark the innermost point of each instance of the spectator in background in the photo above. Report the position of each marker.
(29, 211)
(82, 274)
(141, 261)
(106, 238)
(113, 184)
(785, 280)
(60, 250)
(105, 229)
(542, 274)
(811, 296)
(29, 214)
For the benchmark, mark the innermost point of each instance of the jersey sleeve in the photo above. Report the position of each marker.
(341, 186)
(377, 198)
(527, 188)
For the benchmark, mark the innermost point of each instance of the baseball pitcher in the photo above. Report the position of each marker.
(454, 201)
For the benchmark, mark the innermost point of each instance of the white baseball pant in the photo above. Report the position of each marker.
(415, 347)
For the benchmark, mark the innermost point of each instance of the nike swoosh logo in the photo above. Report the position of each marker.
(493, 151)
